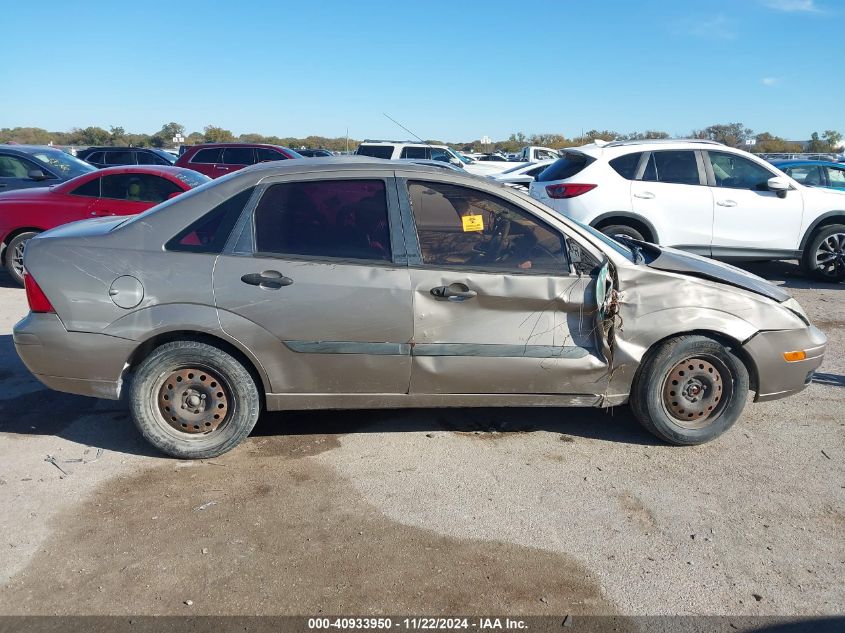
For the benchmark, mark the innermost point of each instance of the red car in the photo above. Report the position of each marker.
(113, 191)
(218, 159)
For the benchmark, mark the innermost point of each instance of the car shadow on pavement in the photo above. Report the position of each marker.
(613, 425)
(29, 408)
(786, 273)
(830, 380)
(6, 281)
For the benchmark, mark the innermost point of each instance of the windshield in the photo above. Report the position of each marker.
(170, 158)
(192, 178)
(62, 163)
(517, 168)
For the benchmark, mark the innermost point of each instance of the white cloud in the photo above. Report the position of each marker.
(717, 27)
(793, 6)
(770, 81)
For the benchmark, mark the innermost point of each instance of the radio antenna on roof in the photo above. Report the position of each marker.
(404, 128)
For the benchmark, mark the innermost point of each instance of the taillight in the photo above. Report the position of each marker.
(568, 190)
(38, 301)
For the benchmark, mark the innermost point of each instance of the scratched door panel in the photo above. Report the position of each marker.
(517, 334)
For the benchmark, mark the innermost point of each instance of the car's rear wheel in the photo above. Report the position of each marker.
(193, 400)
(14, 255)
(824, 255)
(689, 390)
(622, 230)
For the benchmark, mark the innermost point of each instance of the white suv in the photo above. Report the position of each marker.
(699, 196)
(395, 150)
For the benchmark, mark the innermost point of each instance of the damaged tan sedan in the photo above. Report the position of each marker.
(339, 284)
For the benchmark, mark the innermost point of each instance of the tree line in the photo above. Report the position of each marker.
(732, 134)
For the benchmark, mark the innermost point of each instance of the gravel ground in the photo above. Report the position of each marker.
(517, 511)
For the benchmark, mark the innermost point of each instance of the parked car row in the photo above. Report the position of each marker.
(25, 213)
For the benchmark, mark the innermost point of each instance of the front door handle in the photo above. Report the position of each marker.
(645, 195)
(726, 203)
(269, 280)
(453, 292)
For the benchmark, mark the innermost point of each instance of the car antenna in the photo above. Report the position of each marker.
(406, 129)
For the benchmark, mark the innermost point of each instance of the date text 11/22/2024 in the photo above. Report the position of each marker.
(420, 623)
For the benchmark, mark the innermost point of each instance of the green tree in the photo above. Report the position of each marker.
(833, 138)
(89, 136)
(117, 135)
(731, 134)
(214, 134)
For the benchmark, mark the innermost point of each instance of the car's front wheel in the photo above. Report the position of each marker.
(14, 255)
(689, 390)
(193, 400)
(824, 255)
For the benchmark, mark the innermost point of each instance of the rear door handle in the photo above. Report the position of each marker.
(453, 292)
(101, 214)
(726, 203)
(645, 195)
(269, 280)
(222, 167)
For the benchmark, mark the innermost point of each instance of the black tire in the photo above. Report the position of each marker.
(14, 255)
(622, 229)
(163, 379)
(725, 394)
(828, 242)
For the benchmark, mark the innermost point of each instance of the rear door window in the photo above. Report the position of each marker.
(94, 157)
(207, 156)
(676, 167)
(238, 156)
(344, 219)
(565, 167)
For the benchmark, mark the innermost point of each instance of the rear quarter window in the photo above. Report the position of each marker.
(565, 167)
(210, 232)
(626, 166)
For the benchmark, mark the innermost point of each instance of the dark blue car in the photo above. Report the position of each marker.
(814, 173)
(26, 166)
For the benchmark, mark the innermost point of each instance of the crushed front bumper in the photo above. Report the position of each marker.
(75, 362)
(777, 378)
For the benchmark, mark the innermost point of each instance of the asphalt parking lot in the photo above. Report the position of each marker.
(521, 511)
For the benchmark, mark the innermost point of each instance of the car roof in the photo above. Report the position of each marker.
(354, 162)
(786, 162)
(619, 148)
(216, 145)
(154, 170)
(27, 149)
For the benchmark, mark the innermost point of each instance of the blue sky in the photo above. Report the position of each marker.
(447, 69)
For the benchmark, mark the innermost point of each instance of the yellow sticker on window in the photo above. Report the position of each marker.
(473, 222)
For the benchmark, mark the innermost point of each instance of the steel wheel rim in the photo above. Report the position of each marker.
(696, 391)
(830, 255)
(194, 401)
(17, 257)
